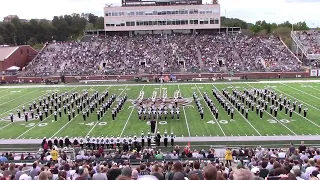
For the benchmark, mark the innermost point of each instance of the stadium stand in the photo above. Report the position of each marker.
(310, 40)
(178, 53)
(295, 162)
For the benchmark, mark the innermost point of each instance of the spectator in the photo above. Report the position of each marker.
(156, 171)
(98, 175)
(264, 171)
(197, 171)
(243, 174)
(19, 173)
(114, 172)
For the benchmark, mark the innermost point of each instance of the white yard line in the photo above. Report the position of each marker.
(237, 110)
(185, 116)
(276, 118)
(100, 121)
(211, 112)
(5, 126)
(19, 97)
(125, 125)
(70, 120)
(38, 122)
(300, 91)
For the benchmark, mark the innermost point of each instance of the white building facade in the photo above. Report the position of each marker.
(146, 18)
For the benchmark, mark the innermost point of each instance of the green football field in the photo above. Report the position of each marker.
(189, 125)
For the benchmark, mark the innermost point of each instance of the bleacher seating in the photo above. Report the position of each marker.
(150, 54)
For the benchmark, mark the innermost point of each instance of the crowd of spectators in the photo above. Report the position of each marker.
(310, 40)
(293, 163)
(145, 52)
(120, 55)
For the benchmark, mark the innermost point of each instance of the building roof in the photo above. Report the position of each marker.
(5, 52)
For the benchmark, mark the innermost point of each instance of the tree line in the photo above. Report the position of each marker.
(61, 28)
(71, 27)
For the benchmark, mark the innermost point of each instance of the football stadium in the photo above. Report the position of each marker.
(166, 90)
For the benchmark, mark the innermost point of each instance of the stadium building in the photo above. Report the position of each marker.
(162, 17)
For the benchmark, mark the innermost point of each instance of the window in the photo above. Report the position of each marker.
(195, 22)
(169, 22)
(107, 14)
(128, 24)
(211, 21)
(133, 23)
(216, 21)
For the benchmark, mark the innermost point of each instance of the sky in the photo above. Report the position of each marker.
(251, 11)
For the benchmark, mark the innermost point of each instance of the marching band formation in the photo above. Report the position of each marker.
(111, 142)
(161, 111)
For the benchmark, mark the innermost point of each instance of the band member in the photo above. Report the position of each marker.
(59, 110)
(93, 143)
(26, 116)
(67, 141)
(84, 115)
(172, 139)
(300, 107)
(81, 142)
(178, 114)
(69, 116)
(261, 113)
(98, 115)
(290, 113)
(88, 141)
(61, 142)
(305, 110)
(19, 113)
(216, 114)
(11, 117)
(130, 142)
(118, 142)
(201, 113)
(32, 114)
(73, 113)
(46, 112)
(275, 112)
(165, 139)
(246, 111)
(142, 139)
(232, 113)
(55, 141)
(149, 139)
(97, 142)
(113, 115)
(158, 138)
(153, 125)
(40, 116)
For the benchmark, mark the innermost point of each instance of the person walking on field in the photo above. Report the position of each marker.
(228, 156)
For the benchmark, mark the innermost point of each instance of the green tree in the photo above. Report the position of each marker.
(32, 41)
(1, 40)
(89, 26)
(99, 23)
